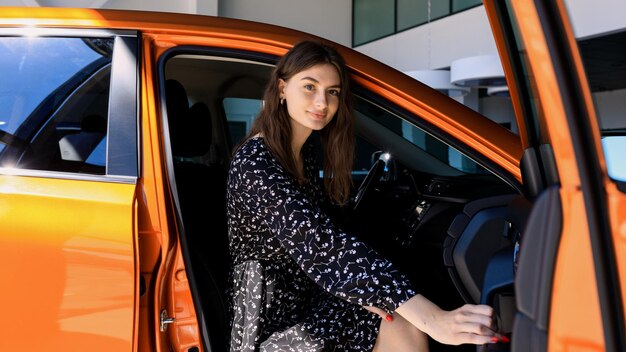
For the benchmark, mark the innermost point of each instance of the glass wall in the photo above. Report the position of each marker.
(412, 13)
(375, 19)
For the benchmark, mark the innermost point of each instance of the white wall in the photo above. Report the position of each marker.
(437, 44)
(592, 17)
(330, 19)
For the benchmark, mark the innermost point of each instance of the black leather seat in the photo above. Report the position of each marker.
(202, 198)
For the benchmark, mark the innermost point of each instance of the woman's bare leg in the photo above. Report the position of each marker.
(401, 336)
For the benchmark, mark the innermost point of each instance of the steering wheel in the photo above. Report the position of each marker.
(368, 185)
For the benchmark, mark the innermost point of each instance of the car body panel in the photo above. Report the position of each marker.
(68, 249)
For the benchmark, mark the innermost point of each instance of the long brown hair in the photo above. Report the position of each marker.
(337, 138)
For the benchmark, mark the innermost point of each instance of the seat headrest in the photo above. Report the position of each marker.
(176, 98)
(190, 128)
(199, 132)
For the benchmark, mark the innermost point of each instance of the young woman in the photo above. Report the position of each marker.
(299, 282)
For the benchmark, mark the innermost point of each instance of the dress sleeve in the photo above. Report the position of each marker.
(336, 261)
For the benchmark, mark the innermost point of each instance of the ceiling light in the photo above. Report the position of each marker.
(477, 71)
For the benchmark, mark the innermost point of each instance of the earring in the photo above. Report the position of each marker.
(282, 101)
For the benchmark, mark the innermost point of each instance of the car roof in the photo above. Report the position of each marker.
(149, 21)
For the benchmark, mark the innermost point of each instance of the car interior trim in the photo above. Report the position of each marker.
(9, 171)
(224, 54)
(535, 272)
(531, 173)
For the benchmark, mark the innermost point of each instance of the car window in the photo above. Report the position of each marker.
(614, 147)
(437, 157)
(441, 158)
(54, 99)
(240, 113)
(371, 120)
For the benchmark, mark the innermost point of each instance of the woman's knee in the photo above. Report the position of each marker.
(400, 335)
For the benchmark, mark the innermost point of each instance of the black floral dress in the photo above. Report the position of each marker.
(299, 282)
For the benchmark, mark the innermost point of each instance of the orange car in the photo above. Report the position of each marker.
(116, 131)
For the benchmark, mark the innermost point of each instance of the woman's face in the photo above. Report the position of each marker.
(312, 98)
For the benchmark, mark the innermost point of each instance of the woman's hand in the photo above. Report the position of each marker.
(468, 324)
(381, 313)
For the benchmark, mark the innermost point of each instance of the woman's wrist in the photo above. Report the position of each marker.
(420, 312)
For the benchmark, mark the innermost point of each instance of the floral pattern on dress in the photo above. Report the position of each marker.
(299, 283)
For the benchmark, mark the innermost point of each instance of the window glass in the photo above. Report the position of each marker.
(450, 157)
(373, 19)
(460, 5)
(543, 169)
(415, 12)
(240, 113)
(614, 147)
(54, 97)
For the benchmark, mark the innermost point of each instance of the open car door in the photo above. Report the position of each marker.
(569, 282)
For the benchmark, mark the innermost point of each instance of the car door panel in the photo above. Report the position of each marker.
(69, 242)
(535, 276)
(483, 229)
(70, 260)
